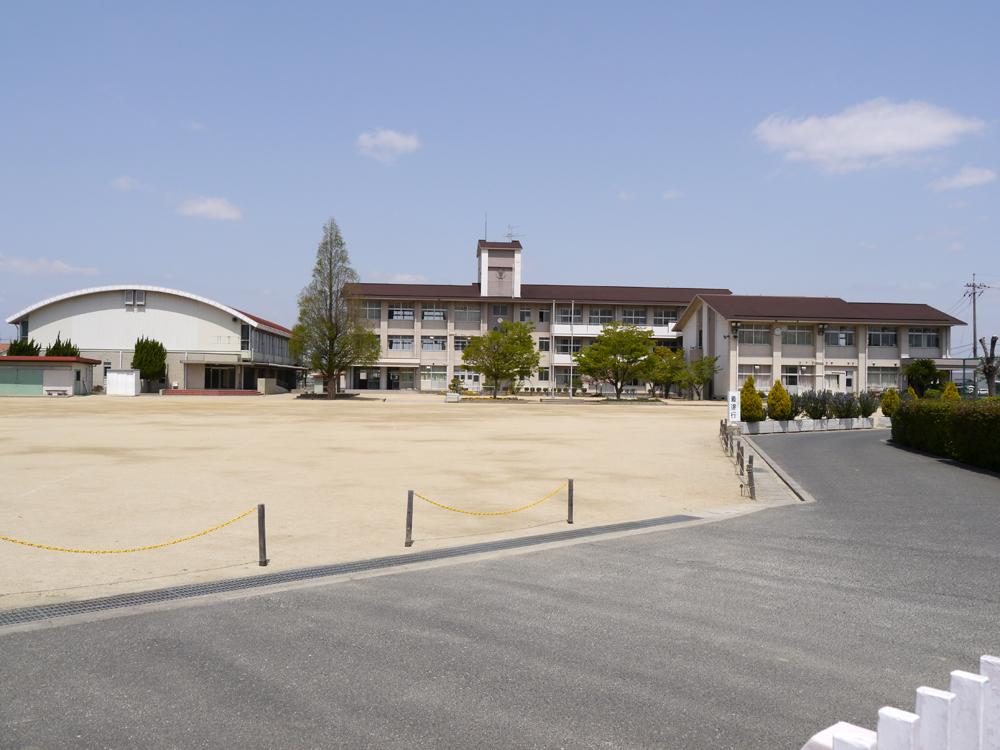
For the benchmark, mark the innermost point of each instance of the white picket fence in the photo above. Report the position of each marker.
(966, 717)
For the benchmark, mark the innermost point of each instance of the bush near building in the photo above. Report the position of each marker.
(779, 405)
(890, 401)
(967, 431)
(951, 393)
(751, 404)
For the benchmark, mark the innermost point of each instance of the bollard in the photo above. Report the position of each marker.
(261, 537)
(569, 502)
(751, 483)
(409, 519)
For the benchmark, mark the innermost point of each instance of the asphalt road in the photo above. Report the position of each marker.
(748, 633)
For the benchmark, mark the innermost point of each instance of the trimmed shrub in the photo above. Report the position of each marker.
(62, 348)
(816, 404)
(967, 431)
(751, 405)
(890, 401)
(844, 405)
(951, 393)
(910, 394)
(932, 394)
(867, 404)
(779, 405)
(29, 348)
(796, 402)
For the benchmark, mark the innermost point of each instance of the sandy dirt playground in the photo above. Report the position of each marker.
(100, 472)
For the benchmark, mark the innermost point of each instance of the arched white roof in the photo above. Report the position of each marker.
(245, 317)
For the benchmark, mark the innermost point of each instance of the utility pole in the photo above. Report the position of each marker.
(974, 290)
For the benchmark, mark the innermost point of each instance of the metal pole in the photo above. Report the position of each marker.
(569, 502)
(409, 519)
(572, 340)
(261, 537)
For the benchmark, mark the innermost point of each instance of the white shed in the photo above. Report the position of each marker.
(122, 383)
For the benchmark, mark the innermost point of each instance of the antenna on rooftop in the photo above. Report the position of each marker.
(486, 225)
(512, 233)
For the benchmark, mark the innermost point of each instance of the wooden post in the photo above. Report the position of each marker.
(409, 519)
(261, 537)
(751, 483)
(569, 502)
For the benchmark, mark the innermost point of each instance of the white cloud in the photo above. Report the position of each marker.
(210, 208)
(866, 134)
(387, 145)
(965, 178)
(124, 183)
(671, 195)
(42, 267)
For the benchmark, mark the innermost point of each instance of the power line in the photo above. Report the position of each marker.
(975, 290)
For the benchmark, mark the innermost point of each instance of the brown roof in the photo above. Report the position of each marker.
(42, 359)
(832, 309)
(487, 245)
(4, 348)
(264, 321)
(537, 293)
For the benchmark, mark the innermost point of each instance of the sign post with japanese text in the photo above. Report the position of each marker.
(734, 407)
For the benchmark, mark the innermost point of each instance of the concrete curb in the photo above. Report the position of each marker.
(783, 475)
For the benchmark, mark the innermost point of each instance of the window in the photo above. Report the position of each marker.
(635, 316)
(599, 316)
(754, 334)
(24, 330)
(401, 343)
(544, 315)
(245, 337)
(569, 315)
(498, 311)
(568, 346)
(433, 378)
(924, 338)
(881, 378)
(839, 337)
(761, 375)
(433, 312)
(400, 311)
(664, 316)
(525, 315)
(882, 336)
(432, 343)
(544, 345)
(796, 376)
(371, 309)
(77, 375)
(797, 335)
(543, 375)
(129, 296)
(467, 313)
(140, 296)
(461, 343)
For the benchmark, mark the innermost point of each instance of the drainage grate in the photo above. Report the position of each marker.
(52, 611)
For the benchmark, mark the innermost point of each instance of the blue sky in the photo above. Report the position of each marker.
(848, 149)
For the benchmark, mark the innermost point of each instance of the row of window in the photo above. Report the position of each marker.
(662, 316)
(879, 378)
(440, 343)
(805, 335)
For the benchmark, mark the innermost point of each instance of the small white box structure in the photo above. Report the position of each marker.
(966, 717)
(122, 383)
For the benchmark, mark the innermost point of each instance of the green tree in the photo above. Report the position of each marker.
(150, 359)
(29, 348)
(751, 405)
(507, 353)
(890, 401)
(668, 366)
(60, 348)
(779, 404)
(455, 386)
(989, 365)
(330, 335)
(950, 392)
(697, 374)
(619, 355)
(922, 374)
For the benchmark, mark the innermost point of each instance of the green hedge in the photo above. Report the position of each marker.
(968, 431)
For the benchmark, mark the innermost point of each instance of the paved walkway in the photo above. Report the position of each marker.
(748, 633)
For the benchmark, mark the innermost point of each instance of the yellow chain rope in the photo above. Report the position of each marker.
(131, 549)
(556, 491)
